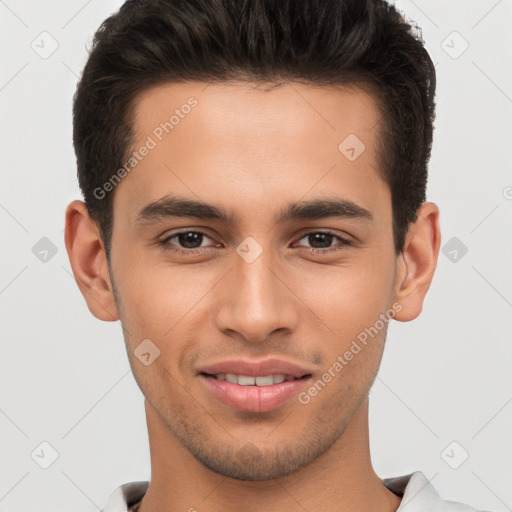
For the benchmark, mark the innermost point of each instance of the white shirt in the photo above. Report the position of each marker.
(416, 491)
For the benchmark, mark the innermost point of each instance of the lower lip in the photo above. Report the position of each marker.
(254, 398)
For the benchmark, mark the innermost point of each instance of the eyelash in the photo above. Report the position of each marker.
(164, 244)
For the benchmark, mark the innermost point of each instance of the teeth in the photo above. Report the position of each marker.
(246, 380)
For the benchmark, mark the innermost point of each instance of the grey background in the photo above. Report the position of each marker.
(65, 377)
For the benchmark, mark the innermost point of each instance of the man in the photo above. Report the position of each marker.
(254, 177)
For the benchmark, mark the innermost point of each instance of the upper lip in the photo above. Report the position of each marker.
(256, 368)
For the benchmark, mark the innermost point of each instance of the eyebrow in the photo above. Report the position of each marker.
(177, 207)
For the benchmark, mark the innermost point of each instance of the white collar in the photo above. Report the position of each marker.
(418, 495)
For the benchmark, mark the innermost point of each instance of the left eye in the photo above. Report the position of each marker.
(321, 240)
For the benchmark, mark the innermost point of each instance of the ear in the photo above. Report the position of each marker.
(417, 262)
(88, 260)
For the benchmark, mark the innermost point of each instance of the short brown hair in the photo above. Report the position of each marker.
(321, 42)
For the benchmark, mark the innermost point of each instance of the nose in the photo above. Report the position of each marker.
(257, 302)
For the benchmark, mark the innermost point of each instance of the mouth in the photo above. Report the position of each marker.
(268, 387)
(258, 380)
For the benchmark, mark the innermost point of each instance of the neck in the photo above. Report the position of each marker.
(341, 479)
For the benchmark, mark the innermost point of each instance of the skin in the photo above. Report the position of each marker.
(253, 151)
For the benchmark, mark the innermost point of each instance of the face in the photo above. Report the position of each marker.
(290, 259)
(253, 243)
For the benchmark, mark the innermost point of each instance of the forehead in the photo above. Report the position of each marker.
(267, 140)
(283, 108)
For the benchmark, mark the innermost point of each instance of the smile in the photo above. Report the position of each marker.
(247, 380)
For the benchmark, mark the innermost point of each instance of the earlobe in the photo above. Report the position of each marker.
(89, 262)
(417, 262)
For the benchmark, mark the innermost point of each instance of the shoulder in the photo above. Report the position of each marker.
(419, 495)
(125, 496)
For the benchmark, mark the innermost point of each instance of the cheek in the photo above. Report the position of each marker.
(347, 298)
(159, 300)
(144, 288)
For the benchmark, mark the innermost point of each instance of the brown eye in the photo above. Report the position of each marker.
(186, 240)
(321, 240)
